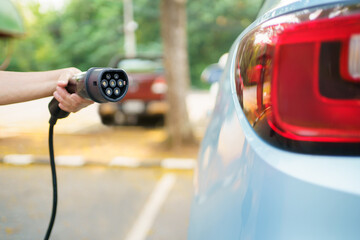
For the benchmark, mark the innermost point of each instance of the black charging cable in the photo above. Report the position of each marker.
(52, 123)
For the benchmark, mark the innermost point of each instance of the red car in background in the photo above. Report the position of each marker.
(145, 99)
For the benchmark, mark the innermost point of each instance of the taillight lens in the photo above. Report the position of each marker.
(300, 76)
(354, 58)
(159, 86)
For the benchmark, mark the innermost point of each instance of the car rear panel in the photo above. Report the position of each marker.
(246, 188)
(140, 86)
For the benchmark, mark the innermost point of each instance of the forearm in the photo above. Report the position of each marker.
(19, 87)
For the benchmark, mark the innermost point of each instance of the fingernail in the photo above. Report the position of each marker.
(62, 82)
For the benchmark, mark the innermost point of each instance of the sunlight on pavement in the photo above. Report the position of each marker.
(24, 130)
(33, 116)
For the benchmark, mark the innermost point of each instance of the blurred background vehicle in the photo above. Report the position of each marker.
(280, 157)
(212, 75)
(146, 97)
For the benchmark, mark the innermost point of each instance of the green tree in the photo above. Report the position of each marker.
(89, 33)
(212, 28)
(173, 29)
(85, 38)
(38, 49)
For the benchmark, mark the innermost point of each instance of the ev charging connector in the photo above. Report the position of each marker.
(97, 84)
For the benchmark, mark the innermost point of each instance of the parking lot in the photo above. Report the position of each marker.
(99, 199)
(95, 203)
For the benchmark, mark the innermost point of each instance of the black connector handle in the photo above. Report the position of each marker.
(56, 112)
(54, 109)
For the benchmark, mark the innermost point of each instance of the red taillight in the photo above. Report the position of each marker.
(159, 86)
(300, 111)
(305, 70)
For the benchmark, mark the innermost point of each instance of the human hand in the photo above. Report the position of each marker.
(69, 102)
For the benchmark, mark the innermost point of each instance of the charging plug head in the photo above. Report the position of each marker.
(104, 85)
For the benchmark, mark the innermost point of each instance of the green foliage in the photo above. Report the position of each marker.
(90, 33)
(212, 27)
(148, 34)
(38, 50)
(87, 33)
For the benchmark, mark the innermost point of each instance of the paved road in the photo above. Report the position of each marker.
(95, 203)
